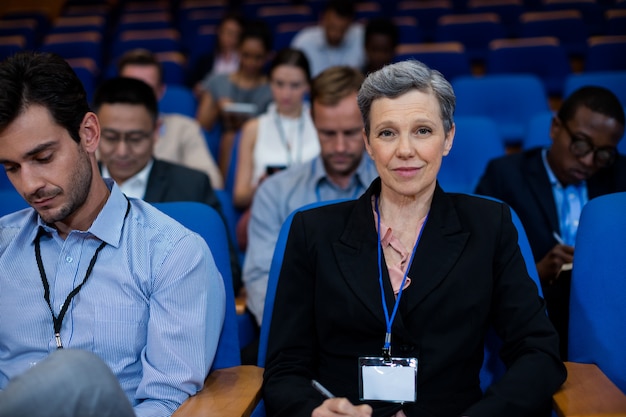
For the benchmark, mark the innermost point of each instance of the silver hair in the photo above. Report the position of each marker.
(394, 80)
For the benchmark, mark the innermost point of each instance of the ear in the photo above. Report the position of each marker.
(366, 141)
(449, 140)
(89, 132)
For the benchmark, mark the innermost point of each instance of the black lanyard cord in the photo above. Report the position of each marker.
(58, 321)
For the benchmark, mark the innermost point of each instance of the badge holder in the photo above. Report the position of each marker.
(388, 379)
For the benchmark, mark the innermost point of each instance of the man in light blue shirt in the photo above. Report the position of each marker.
(88, 269)
(337, 40)
(339, 172)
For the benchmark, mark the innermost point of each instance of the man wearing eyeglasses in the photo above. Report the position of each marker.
(128, 113)
(548, 187)
(129, 119)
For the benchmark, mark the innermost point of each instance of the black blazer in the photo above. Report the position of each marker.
(522, 182)
(174, 182)
(468, 273)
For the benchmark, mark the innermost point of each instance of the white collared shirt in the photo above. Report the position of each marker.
(135, 186)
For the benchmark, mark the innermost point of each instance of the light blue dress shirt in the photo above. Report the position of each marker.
(274, 200)
(569, 201)
(152, 308)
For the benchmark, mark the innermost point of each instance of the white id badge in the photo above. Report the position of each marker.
(394, 381)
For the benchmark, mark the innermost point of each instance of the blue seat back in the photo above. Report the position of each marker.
(509, 99)
(277, 262)
(543, 57)
(476, 142)
(538, 131)
(597, 326)
(205, 221)
(178, 99)
(493, 368)
(10, 201)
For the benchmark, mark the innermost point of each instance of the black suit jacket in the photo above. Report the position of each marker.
(467, 274)
(522, 182)
(174, 182)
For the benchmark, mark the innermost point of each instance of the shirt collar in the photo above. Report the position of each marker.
(108, 224)
(319, 172)
(554, 181)
(136, 185)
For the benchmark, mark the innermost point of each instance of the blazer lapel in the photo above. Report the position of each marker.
(440, 246)
(157, 180)
(542, 189)
(357, 257)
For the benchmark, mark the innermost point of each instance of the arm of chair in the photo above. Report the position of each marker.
(228, 392)
(587, 392)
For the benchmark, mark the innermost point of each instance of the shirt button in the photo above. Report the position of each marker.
(69, 259)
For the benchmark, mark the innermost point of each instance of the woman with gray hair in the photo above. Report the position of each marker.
(386, 300)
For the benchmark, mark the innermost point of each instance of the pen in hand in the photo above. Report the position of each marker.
(321, 389)
(558, 238)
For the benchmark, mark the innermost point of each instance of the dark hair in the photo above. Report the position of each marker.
(597, 99)
(382, 26)
(141, 57)
(343, 8)
(294, 58)
(257, 29)
(45, 79)
(125, 90)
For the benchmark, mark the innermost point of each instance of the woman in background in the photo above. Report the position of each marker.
(228, 100)
(282, 136)
(224, 59)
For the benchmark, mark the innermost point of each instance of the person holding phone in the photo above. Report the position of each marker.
(282, 136)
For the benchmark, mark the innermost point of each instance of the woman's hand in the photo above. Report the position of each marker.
(341, 407)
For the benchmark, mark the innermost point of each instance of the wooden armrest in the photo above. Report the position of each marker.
(587, 392)
(227, 392)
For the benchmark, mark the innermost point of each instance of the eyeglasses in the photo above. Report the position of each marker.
(603, 156)
(133, 138)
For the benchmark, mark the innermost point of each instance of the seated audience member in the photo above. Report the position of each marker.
(229, 100)
(127, 110)
(282, 136)
(340, 171)
(224, 58)
(549, 187)
(336, 40)
(181, 139)
(386, 300)
(381, 40)
(88, 269)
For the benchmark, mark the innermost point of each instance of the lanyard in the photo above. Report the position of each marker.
(298, 140)
(58, 321)
(389, 319)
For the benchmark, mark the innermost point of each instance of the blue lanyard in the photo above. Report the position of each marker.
(388, 319)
